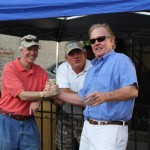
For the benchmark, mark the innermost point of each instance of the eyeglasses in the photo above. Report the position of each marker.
(31, 40)
(99, 39)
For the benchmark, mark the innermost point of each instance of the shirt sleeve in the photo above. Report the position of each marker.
(126, 73)
(62, 78)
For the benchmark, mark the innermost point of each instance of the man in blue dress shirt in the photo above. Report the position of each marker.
(108, 94)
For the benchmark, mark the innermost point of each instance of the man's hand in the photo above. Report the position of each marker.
(47, 86)
(95, 98)
(53, 91)
(34, 106)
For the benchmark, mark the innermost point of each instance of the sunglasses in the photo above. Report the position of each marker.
(99, 39)
(31, 40)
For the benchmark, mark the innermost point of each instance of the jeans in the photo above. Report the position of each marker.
(18, 135)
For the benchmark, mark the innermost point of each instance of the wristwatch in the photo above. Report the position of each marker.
(41, 94)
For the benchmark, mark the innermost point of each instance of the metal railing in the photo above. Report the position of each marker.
(139, 127)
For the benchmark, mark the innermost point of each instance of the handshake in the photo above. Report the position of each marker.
(52, 90)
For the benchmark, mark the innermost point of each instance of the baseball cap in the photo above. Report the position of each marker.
(72, 45)
(29, 40)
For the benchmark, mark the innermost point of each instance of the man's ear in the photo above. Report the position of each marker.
(113, 39)
(20, 49)
(66, 58)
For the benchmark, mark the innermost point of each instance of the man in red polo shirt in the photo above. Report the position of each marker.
(24, 84)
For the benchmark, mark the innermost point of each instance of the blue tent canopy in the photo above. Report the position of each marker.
(40, 17)
(33, 9)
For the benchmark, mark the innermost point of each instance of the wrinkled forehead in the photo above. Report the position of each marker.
(101, 31)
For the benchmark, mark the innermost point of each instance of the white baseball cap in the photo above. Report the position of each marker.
(29, 40)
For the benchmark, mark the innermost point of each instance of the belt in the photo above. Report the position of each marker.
(16, 117)
(94, 122)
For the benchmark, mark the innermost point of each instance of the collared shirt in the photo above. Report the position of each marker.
(109, 73)
(16, 79)
(67, 78)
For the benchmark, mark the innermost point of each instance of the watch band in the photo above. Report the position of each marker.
(41, 94)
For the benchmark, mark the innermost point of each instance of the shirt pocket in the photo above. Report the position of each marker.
(104, 81)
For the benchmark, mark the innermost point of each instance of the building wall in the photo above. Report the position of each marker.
(47, 53)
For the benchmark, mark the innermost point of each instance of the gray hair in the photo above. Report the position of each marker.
(107, 27)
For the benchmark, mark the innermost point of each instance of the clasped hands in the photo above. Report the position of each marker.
(51, 89)
(55, 92)
(95, 98)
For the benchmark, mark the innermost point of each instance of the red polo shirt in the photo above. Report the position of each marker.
(16, 79)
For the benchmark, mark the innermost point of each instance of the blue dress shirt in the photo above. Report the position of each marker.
(109, 73)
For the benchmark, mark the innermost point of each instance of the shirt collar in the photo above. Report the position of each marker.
(20, 67)
(103, 58)
(87, 66)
